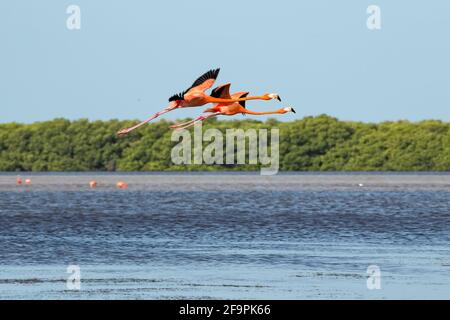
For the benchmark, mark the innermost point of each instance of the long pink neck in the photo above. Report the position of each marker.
(220, 100)
(279, 111)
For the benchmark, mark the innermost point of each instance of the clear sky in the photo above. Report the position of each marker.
(130, 56)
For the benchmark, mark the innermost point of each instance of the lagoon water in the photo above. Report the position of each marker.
(226, 236)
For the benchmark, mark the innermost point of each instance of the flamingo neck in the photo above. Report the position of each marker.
(279, 111)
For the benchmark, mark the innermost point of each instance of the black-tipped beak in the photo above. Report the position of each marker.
(293, 110)
(279, 99)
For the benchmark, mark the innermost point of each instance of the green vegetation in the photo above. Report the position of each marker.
(318, 143)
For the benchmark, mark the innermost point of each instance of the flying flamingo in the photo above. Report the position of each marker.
(229, 110)
(195, 96)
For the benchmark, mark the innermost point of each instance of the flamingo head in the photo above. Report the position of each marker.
(288, 109)
(269, 96)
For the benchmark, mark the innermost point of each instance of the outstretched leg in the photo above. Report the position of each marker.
(156, 115)
(188, 124)
(174, 126)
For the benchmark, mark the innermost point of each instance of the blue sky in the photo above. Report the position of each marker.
(130, 56)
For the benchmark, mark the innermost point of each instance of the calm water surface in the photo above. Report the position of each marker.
(296, 236)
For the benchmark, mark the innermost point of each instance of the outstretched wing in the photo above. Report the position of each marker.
(178, 96)
(204, 82)
(239, 95)
(222, 92)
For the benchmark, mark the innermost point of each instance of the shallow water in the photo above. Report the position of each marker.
(292, 236)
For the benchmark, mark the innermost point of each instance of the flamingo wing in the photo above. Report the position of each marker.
(204, 82)
(230, 109)
(239, 95)
(222, 92)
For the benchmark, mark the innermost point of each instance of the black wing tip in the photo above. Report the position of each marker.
(216, 73)
(242, 103)
(215, 93)
(211, 74)
(178, 96)
(218, 91)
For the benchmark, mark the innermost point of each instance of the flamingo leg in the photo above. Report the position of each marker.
(188, 124)
(156, 115)
(183, 124)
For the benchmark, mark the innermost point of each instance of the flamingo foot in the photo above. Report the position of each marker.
(123, 132)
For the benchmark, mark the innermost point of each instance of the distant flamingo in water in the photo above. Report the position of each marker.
(121, 185)
(195, 96)
(229, 110)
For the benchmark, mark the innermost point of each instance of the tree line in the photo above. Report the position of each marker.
(320, 143)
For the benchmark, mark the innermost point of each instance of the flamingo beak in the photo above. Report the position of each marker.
(279, 99)
(292, 109)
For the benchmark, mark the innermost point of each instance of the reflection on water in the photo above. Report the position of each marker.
(226, 236)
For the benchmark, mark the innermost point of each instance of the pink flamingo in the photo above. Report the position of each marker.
(229, 110)
(195, 96)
